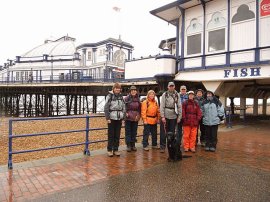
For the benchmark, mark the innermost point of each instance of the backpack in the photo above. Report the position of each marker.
(130, 100)
(174, 96)
(195, 103)
(114, 98)
(147, 103)
(215, 101)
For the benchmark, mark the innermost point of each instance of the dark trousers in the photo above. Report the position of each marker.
(170, 127)
(202, 129)
(131, 131)
(179, 132)
(211, 135)
(114, 129)
(149, 129)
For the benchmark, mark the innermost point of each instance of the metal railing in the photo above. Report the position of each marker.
(87, 130)
(59, 79)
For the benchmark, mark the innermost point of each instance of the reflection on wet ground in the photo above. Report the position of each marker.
(239, 168)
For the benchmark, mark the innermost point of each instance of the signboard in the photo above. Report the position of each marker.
(265, 8)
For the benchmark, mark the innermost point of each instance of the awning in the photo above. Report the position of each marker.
(171, 12)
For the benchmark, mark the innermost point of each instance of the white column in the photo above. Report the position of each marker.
(255, 107)
(242, 106)
(264, 107)
(223, 100)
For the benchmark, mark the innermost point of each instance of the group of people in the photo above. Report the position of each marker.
(181, 113)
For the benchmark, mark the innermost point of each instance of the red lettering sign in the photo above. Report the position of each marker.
(265, 7)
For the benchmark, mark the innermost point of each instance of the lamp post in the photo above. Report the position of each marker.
(106, 71)
(51, 68)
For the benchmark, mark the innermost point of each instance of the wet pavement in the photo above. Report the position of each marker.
(238, 171)
(191, 180)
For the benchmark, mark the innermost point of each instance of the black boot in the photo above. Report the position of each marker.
(133, 147)
(128, 147)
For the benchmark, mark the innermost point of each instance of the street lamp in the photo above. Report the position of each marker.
(106, 70)
(51, 67)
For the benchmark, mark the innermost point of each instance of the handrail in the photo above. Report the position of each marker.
(87, 130)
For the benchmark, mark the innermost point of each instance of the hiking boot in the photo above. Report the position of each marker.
(162, 150)
(212, 149)
(128, 148)
(116, 153)
(146, 148)
(110, 154)
(155, 147)
(193, 150)
(133, 147)
(206, 148)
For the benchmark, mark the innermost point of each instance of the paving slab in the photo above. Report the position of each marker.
(238, 171)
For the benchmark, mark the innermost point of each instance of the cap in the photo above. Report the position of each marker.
(190, 92)
(183, 87)
(171, 84)
(133, 88)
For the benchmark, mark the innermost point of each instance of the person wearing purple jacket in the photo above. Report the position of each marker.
(133, 115)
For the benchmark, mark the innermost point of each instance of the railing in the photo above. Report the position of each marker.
(59, 79)
(229, 115)
(87, 130)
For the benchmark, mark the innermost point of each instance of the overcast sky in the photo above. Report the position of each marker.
(25, 24)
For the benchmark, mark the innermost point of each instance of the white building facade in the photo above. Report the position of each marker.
(222, 43)
(61, 61)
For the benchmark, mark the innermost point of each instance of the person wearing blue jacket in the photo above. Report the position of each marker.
(183, 97)
(213, 113)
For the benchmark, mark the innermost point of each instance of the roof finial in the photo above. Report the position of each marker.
(166, 48)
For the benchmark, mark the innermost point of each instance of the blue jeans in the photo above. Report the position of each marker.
(131, 131)
(170, 127)
(149, 128)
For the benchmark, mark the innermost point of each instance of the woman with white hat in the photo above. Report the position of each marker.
(191, 115)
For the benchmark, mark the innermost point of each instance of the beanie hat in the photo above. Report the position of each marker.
(133, 88)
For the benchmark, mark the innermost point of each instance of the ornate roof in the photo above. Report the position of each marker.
(62, 46)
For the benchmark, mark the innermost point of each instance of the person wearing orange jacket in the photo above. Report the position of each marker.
(150, 115)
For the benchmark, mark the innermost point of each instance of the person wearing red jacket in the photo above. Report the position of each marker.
(191, 115)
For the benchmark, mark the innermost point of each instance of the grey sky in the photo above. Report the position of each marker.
(27, 23)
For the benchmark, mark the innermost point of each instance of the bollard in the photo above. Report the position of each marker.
(10, 145)
(86, 150)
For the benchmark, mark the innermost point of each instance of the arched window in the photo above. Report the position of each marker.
(243, 27)
(216, 32)
(194, 37)
(243, 13)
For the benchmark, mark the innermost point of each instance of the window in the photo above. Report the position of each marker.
(17, 76)
(22, 76)
(243, 13)
(216, 40)
(216, 30)
(26, 76)
(89, 56)
(194, 44)
(90, 72)
(194, 37)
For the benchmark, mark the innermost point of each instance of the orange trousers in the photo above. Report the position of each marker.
(190, 134)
